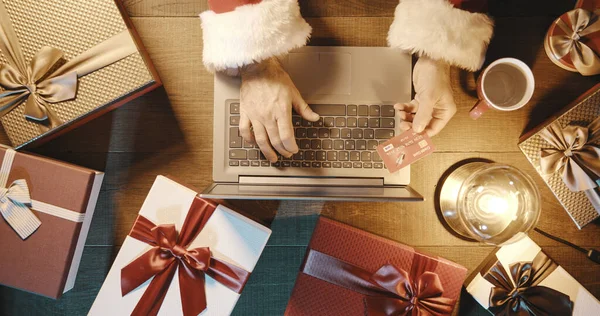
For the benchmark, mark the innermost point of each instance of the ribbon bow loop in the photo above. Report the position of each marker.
(14, 206)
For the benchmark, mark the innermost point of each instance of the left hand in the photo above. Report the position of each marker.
(433, 105)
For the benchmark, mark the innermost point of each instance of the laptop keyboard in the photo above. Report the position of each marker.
(346, 136)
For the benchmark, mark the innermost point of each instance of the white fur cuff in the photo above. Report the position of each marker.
(436, 29)
(252, 33)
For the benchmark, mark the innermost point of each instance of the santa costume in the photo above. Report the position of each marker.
(242, 32)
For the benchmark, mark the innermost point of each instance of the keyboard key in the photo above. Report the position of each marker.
(357, 133)
(326, 164)
(234, 120)
(245, 163)
(374, 110)
(332, 155)
(321, 155)
(367, 165)
(340, 122)
(347, 165)
(305, 144)
(351, 122)
(350, 145)
(384, 133)
(298, 156)
(363, 110)
(248, 144)
(315, 144)
(378, 165)
(388, 123)
(234, 108)
(309, 155)
(369, 134)
(372, 144)
(253, 154)
(338, 144)
(346, 133)
(305, 164)
(318, 123)
(286, 158)
(374, 122)
(286, 164)
(296, 121)
(328, 122)
(255, 163)
(337, 164)
(323, 132)
(363, 122)
(357, 165)
(329, 109)
(265, 164)
(361, 145)
(312, 133)
(235, 140)
(327, 144)
(261, 156)
(354, 156)
(234, 163)
(365, 156)
(352, 110)
(334, 133)
(388, 111)
(306, 123)
(276, 164)
(316, 165)
(343, 156)
(296, 164)
(301, 133)
(238, 154)
(375, 157)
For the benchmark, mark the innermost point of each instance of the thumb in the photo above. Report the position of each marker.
(302, 108)
(423, 115)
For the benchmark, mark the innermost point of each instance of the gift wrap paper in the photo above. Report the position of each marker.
(525, 250)
(74, 26)
(581, 112)
(231, 237)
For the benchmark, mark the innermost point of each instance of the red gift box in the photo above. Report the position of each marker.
(589, 5)
(348, 271)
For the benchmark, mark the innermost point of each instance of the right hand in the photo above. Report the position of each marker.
(267, 98)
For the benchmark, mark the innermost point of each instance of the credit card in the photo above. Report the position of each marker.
(404, 149)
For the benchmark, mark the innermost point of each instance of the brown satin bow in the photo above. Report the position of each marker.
(520, 293)
(168, 254)
(574, 155)
(568, 43)
(388, 291)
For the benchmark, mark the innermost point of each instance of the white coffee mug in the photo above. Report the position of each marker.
(506, 85)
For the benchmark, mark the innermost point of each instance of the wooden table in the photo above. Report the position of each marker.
(169, 131)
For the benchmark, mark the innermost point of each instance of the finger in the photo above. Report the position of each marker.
(262, 140)
(273, 131)
(405, 126)
(406, 116)
(411, 107)
(302, 108)
(438, 122)
(286, 133)
(423, 116)
(246, 129)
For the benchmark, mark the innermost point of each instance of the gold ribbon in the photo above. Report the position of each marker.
(37, 83)
(582, 23)
(575, 156)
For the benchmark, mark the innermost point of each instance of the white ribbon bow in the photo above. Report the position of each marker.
(14, 206)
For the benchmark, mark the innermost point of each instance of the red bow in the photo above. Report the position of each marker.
(170, 252)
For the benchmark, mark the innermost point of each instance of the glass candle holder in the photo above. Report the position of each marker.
(489, 202)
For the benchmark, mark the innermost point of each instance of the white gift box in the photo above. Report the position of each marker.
(232, 238)
(525, 250)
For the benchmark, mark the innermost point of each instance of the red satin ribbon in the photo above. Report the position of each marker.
(388, 291)
(169, 252)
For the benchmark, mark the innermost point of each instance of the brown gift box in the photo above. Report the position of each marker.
(580, 112)
(589, 5)
(313, 296)
(46, 262)
(77, 28)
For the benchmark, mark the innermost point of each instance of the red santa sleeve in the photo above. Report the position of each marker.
(441, 30)
(241, 32)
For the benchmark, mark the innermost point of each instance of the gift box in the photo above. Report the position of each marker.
(211, 248)
(573, 40)
(347, 271)
(47, 208)
(544, 287)
(565, 151)
(64, 63)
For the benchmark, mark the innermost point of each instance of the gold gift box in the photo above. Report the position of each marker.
(97, 59)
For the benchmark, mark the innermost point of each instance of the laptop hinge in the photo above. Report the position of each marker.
(304, 181)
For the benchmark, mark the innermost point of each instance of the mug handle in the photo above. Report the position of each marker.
(480, 107)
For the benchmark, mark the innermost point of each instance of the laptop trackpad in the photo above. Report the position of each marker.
(321, 73)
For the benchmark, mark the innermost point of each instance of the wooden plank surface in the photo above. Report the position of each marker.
(169, 131)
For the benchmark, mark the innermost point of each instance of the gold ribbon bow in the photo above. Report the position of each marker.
(38, 82)
(13, 206)
(581, 23)
(574, 155)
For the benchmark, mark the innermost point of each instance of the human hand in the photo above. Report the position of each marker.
(433, 105)
(267, 98)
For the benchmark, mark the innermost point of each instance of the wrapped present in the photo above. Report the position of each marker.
(211, 248)
(590, 5)
(347, 271)
(63, 63)
(565, 151)
(543, 287)
(573, 40)
(47, 208)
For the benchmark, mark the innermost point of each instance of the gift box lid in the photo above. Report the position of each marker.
(63, 199)
(370, 252)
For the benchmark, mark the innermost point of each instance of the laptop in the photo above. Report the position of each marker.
(353, 89)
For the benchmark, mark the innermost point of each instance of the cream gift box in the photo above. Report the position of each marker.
(231, 237)
(556, 278)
